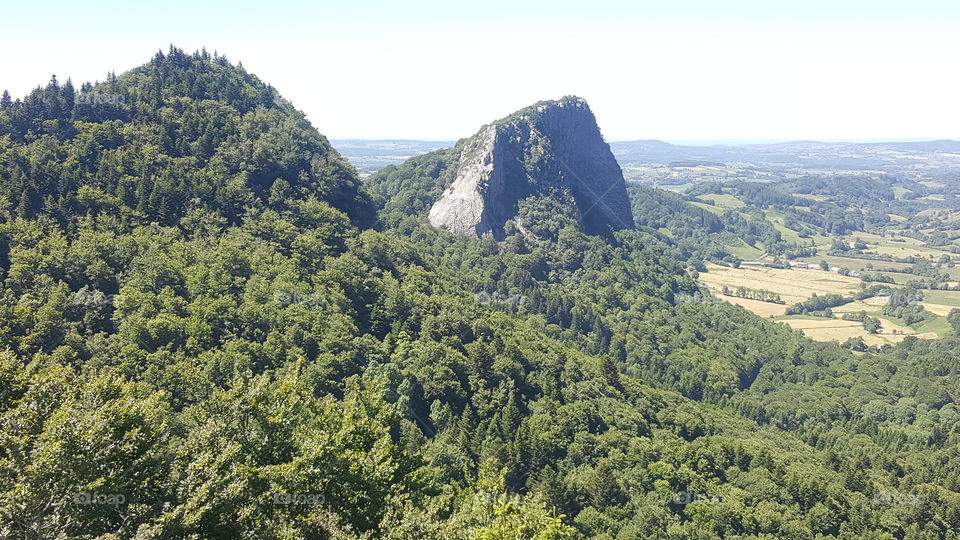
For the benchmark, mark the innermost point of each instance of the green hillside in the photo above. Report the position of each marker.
(211, 330)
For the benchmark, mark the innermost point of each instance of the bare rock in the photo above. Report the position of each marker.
(551, 149)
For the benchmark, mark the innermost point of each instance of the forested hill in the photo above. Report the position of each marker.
(181, 133)
(202, 336)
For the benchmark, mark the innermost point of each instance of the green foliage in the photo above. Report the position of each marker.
(876, 278)
(870, 324)
(179, 133)
(234, 354)
(905, 304)
(818, 303)
(954, 319)
(762, 295)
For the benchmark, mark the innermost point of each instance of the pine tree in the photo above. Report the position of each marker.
(605, 490)
(51, 99)
(5, 101)
(510, 415)
(158, 58)
(610, 372)
(68, 93)
(24, 209)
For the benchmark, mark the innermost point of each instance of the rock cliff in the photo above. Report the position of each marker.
(550, 149)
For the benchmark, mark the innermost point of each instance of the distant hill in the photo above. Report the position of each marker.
(795, 154)
(695, 163)
(369, 156)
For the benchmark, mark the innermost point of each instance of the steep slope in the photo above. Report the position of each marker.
(550, 149)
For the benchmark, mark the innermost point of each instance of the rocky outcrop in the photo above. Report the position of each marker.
(550, 148)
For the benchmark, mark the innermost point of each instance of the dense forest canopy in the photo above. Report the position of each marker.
(178, 133)
(211, 330)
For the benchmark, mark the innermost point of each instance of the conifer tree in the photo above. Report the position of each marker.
(68, 93)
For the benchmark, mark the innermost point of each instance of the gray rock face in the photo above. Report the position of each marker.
(550, 148)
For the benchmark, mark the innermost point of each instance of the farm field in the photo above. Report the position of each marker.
(840, 330)
(870, 305)
(905, 250)
(934, 327)
(938, 309)
(710, 208)
(763, 309)
(899, 191)
(740, 249)
(871, 238)
(723, 201)
(898, 246)
(744, 252)
(777, 218)
(898, 278)
(946, 298)
(796, 285)
(793, 285)
(891, 246)
(851, 262)
(954, 272)
(810, 197)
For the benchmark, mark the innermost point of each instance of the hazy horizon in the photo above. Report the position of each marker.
(678, 142)
(688, 71)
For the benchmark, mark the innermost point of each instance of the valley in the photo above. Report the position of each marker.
(897, 222)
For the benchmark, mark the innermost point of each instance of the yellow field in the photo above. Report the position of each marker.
(905, 250)
(877, 239)
(869, 305)
(840, 331)
(810, 197)
(937, 309)
(889, 327)
(763, 309)
(895, 245)
(796, 285)
(792, 285)
(829, 329)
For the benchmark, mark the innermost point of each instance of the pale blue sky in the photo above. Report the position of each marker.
(431, 69)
